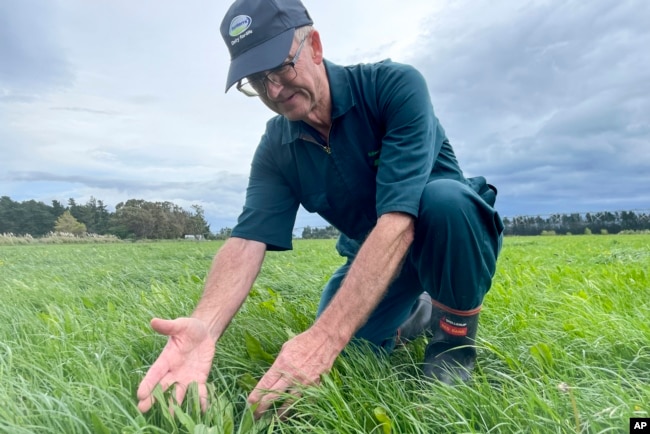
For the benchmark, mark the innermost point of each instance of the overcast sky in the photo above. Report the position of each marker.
(121, 99)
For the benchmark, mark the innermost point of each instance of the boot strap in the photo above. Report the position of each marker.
(448, 309)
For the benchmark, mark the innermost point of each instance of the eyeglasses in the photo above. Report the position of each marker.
(255, 85)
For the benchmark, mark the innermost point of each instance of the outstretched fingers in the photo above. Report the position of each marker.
(165, 370)
(285, 409)
(153, 377)
(176, 397)
(268, 390)
(203, 397)
(145, 393)
(277, 387)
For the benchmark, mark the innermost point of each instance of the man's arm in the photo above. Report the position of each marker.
(375, 266)
(229, 281)
(304, 358)
(188, 355)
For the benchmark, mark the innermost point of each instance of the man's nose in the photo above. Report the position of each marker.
(272, 89)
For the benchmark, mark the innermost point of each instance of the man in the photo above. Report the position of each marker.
(362, 147)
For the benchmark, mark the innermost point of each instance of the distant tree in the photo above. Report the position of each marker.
(629, 220)
(74, 209)
(320, 233)
(198, 224)
(8, 215)
(67, 223)
(38, 218)
(223, 234)
(57, 208)
(138, 218)
(94, 215)
(29, 217)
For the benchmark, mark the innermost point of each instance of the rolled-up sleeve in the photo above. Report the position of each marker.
(270, 209)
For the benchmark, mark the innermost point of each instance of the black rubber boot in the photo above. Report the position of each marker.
(418, 321)
(450, 355)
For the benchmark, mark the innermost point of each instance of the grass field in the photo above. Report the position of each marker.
(564, 343)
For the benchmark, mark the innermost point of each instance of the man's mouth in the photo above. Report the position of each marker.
(287, 99)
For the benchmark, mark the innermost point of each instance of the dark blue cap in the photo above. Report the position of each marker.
(259, 34)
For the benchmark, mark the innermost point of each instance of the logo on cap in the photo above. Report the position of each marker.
(239, 25)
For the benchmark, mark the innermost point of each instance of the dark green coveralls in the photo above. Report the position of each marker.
(387, 153)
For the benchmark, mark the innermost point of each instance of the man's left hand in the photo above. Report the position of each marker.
(302, 360)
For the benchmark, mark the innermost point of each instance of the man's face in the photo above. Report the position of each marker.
(295, 99)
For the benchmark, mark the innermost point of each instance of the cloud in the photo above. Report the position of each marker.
(222, 183)
(143, 99)
(85, 110)
(122, 99)
(549, 99)
(33, 61)
(536, 57)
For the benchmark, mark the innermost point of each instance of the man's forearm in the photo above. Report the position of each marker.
(229, 281)
(377, 263)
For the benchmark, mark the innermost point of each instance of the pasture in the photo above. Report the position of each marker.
(564, 343)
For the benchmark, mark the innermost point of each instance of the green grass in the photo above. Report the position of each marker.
(571, 311)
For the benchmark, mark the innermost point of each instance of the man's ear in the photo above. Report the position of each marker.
(316, 47)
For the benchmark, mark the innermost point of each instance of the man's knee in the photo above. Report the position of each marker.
(452, 212)
(445, 199)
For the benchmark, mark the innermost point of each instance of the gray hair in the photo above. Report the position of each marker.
(302, 32)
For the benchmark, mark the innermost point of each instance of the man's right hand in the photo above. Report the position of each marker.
(186, 358)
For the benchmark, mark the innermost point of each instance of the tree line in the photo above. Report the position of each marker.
(578, 223)
(140, 219)
(559, 224)
(133, 219)
(320, 233)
